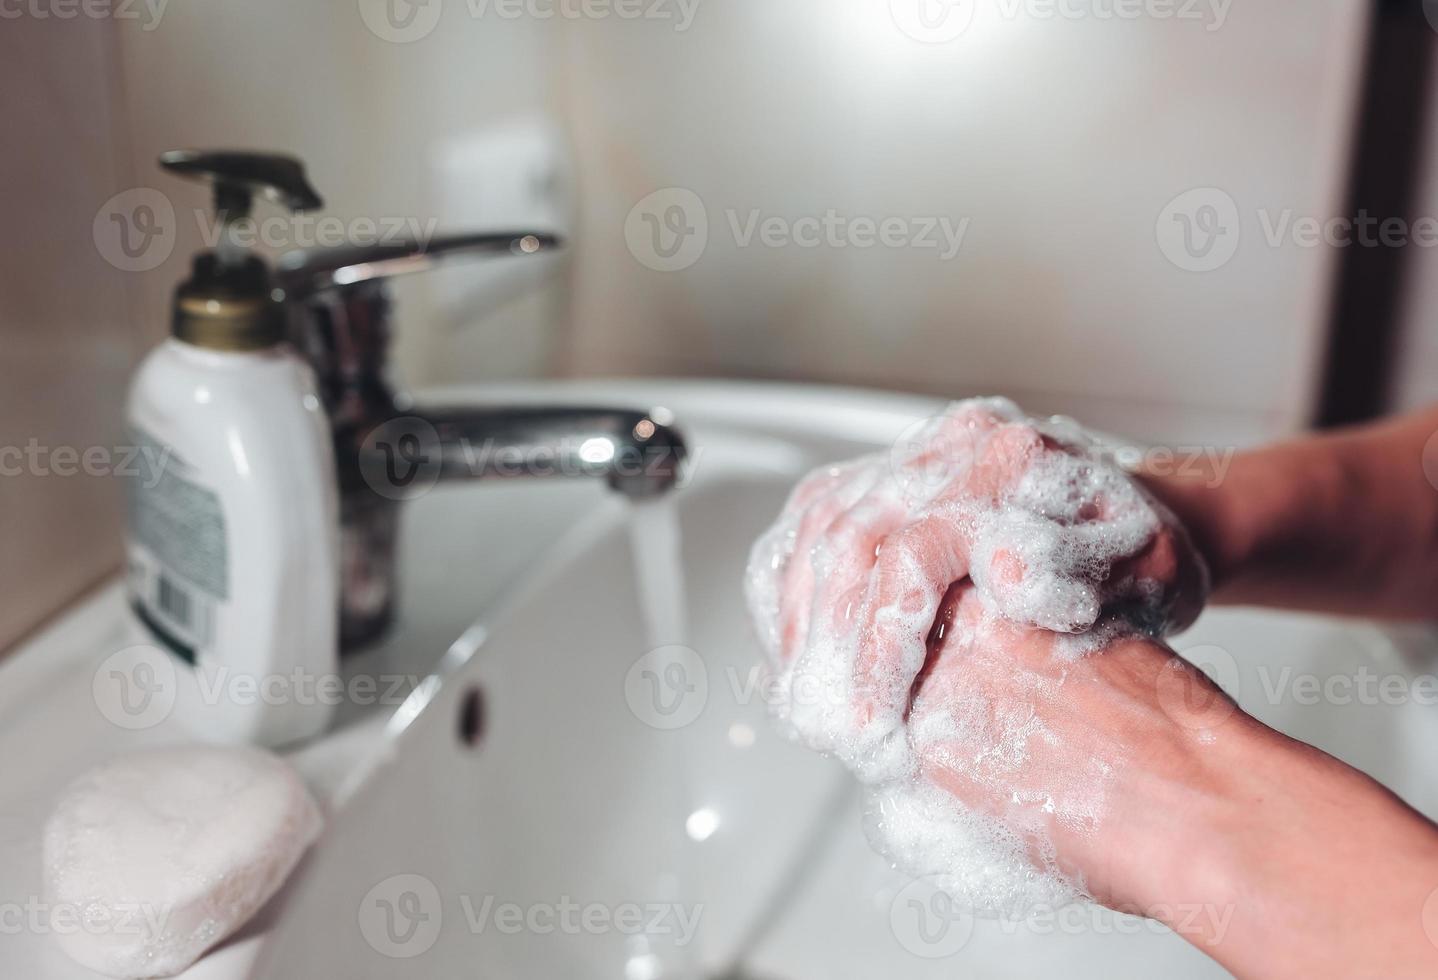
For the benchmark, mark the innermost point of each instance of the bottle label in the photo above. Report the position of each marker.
(178, 552)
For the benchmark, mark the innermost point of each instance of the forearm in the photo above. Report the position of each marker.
(1289, 863)
(1344, 522)
(1266, 854)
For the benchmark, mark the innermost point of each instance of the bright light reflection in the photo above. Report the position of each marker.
(642, 967)
(596, 450)
(701, 824)
(237, 453)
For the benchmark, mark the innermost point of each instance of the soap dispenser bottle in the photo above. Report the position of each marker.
(232, 542)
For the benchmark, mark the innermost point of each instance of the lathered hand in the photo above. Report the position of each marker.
(847, 585)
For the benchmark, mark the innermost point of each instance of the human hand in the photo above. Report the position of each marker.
(1090, 761)
(1127, 775)
(847, 584)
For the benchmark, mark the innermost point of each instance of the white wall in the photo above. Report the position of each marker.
(1061, 141)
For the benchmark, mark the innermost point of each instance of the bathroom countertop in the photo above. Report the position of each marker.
(52, 727)
(50, 732)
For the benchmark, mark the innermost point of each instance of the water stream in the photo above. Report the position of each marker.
(672, 669)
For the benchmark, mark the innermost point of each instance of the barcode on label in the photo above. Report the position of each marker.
(182, 608)
(175, 602)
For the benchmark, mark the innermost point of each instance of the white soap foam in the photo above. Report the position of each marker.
(980, 861)
(165, 852)
(936, 514)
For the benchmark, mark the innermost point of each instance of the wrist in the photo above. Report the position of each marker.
(1289, 862)
(1217, 516)
(1187, 852)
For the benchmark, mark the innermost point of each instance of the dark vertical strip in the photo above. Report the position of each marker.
(1386, 155)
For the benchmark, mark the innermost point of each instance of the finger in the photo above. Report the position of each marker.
(952, 626)
(1167, 577)
(1005, 458)
(917, 565)
(1035, 572)
(798, 581)
(950, 441)
(915, 568)
(844, 558)
(773, 552)
(820, 702)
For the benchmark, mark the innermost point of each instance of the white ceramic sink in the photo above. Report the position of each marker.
(577, 834)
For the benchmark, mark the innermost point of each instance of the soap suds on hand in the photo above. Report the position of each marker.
(164, 853)
(846, 586)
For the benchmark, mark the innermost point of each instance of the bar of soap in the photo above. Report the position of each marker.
(157, 856)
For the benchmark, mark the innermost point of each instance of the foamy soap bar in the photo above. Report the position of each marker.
(159, 855)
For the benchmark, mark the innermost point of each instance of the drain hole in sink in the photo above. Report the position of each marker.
(471, 717)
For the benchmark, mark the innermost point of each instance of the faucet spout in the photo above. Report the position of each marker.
(639, 454)
(387, 452)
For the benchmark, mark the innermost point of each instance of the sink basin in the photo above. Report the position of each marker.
(546, 777)
(553, 798)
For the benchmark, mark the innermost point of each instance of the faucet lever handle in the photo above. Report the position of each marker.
(306, 272)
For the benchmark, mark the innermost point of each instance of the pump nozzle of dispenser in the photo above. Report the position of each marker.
(228, 302)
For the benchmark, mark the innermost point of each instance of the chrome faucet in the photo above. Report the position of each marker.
(388, 450)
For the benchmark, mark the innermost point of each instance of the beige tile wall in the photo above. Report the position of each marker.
(1060, 140)
(67, 340)
(370, 117)
(87, 104)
